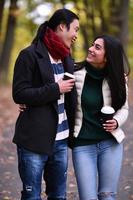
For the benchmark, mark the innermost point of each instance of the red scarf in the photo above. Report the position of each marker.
(55, 46)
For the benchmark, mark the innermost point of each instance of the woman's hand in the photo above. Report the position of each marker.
(21, 107)
(110, 125)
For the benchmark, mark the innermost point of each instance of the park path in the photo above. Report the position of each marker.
(10, 185)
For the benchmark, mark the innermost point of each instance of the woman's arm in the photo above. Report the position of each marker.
(122, 114)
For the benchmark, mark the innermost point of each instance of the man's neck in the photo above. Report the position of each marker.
(54, 60)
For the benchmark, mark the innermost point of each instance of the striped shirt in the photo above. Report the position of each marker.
(63, 130)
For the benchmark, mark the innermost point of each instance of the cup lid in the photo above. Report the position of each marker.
(107, 110)
(69, 75)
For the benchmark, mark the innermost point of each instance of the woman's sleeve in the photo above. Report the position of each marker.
(122, 114)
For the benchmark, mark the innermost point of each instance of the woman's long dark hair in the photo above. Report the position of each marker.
(63, 15)
(117, 67)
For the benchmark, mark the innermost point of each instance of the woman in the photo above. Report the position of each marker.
(97, 147)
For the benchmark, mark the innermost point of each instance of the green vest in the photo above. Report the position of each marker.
(92, 101)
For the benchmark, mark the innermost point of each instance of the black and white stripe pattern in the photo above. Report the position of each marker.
(62, 131)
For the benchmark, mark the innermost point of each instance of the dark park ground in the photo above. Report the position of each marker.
(10, 185)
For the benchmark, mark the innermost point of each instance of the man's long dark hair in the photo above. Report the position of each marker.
(61, 16)
(117, 68)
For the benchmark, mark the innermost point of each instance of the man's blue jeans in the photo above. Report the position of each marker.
(32, 166)
(97, 168)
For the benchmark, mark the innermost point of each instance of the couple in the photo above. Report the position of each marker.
(58, 109)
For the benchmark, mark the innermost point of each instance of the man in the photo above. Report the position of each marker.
(43, 127)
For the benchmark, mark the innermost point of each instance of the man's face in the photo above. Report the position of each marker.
(68, 36)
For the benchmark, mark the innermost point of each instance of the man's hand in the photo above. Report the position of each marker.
(66, 85)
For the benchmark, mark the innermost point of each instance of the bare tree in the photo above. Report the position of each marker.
(123, 34)
(119, 19)
(9, 40)
(2, 2)
(101, 12)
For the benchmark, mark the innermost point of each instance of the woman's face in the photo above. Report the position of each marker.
(96, 54)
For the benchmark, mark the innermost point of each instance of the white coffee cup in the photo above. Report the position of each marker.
(107, 113)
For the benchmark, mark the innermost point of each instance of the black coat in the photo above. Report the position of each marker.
(34, 85)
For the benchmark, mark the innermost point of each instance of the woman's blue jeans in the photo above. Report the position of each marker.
(97, 168)
(33, 166)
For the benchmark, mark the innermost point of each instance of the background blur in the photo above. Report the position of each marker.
(19, 20)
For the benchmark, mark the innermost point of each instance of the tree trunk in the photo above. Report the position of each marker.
(123, 34)
(2, 2)
(119, 13)
(92, 18)
(84, 27)
(9, 40)
(63, 2)
(104, 26)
